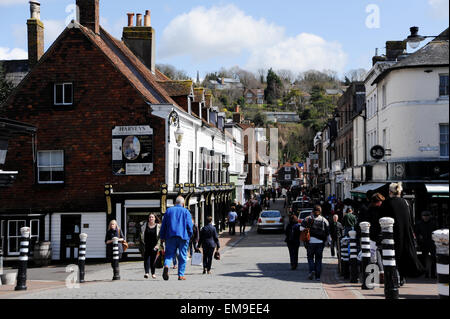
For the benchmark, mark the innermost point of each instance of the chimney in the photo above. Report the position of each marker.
(394, 49)
(141, 40)
(89, 14)
(35, 34)
(237, 118)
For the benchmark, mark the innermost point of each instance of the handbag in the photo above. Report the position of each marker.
(125, 246)
(197, 259)
(217, 255)
(159, 260)
(305, 235)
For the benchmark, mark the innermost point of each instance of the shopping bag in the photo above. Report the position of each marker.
(197, 259)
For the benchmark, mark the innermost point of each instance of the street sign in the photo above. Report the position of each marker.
(377, 152)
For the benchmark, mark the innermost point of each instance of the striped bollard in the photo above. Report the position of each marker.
(82, 256)
(391, 281)
(365, 249)
(116, 259)
(353, 257)
(440, 238)
(345, 258)
(23, 259)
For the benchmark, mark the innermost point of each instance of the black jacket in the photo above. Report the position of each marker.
(372, 215)
(405, 250)
(336, 230)
(423, 231)
(292, 233)
(110, 234)
(209, 237)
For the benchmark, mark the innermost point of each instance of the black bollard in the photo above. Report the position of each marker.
(23, 259)
(365, 248)
(115, 257)
(353, 257)
(82, 256)
(391, 280)
(345, 258)
(440, 238)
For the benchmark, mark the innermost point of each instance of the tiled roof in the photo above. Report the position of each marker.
(161, 76)
(14, 70)
(177, 88)
(199, 95)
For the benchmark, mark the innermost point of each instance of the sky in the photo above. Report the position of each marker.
(204, 36)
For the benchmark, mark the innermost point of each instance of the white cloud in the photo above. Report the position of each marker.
(439, 8)
(228, 31)
(12, 54)
(12, 2)
(52, 30)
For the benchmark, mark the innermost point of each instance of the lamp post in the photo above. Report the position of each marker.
(415, 38)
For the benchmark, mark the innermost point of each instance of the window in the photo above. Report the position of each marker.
(288, 177)
(384, 96)
(190, 167)
(63, 94)
(208, 168)
(443, 141)
(385, 138)
(2, 234)
(287, 169)
(443, 85)
(14, 235)
(50, 167)
(176, 167)
(201, 165)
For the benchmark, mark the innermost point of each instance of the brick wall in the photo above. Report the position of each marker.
(103, 99)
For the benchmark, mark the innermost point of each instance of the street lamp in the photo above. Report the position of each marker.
(174, 120)
(414, 38)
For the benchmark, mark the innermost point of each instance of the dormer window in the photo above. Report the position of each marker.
(63, 94)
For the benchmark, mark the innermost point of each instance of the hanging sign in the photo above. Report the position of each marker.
(132, 150)
(377, 152)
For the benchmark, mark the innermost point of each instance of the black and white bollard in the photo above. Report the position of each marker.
(116, 259)
(440, 238)
(353, 257)
(345, 258)
(23, 259)
(391, 280)
(82, 256)
(365, 253)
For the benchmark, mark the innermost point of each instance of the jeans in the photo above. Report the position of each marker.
(172, 244)
(428, 253)
(334, 245)
(315, 254)
(207, 258)
(293, 254)
(149, 260)
(242, 226)
(232, 227)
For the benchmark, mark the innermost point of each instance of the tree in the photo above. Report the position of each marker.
(171, 72)
(260, 119)
(274, 90)
(356, 75)
(5, 86)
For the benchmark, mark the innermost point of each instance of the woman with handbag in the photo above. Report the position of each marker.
(209, 240)
(151, 243)
(112, 232)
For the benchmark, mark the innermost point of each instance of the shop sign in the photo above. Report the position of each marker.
(132, 150)
(377, 152)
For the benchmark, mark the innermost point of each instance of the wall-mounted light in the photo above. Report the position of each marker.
(174, 120)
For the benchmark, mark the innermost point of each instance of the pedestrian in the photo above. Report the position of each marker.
(193, 242)
(209, 241)
(151, 242)
(176, 230)
(243, 219)
(112, 232)
(349, 221)
(267, 203)
(336, 233)
(319, 231)
(292, 240)
(423, 230)
(232, 216)
(396, 207)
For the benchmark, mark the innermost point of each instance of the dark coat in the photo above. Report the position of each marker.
(423, 231)
(336, 230)
(209, 237)
(405, 251)
(110, 234)
(372, 214)
(292, 233)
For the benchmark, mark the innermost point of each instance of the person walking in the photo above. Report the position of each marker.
(349, 221)
(396, 207)
(336, 233)
(209, 241)
(193, 242)
(292, 240)
(232, 216)
(243, 219)
(176, 230)
(319, 231)
(423, 230)
(151, 242)
(112, 232)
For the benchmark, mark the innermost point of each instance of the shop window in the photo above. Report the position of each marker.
(14, 235)
(63, 94)
(443, 140)
(50, 167)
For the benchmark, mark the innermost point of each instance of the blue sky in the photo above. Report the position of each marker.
(287, 34)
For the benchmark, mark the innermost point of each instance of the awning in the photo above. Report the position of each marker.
(437, 190)
(363, 189)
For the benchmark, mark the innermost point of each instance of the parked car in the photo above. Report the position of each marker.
(303, 214)
(298, 206)
(270, 220)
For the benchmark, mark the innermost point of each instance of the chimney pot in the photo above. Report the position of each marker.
(147, 19)
(35, 10)
(130, 19)
(139, 20)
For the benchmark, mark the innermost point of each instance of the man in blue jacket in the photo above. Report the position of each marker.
(176, 230)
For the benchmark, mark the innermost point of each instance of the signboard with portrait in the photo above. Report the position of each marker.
(132, 150)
